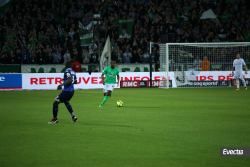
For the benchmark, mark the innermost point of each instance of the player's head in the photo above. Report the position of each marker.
(238, 56)
(68, 64)
(113, 63)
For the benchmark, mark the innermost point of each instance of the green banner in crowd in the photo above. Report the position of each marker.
(86, 34)
(57, 18)
(216, 67)
(4, 5)
(125, 28)
(10, 69)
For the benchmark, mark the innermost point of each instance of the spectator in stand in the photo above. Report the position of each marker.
(66, 57)
(49, 58)
(32, 58)
(157, 66)
(25, 56)
(13, 58)
(136, 57)
(146, 56)
(74, 55)
(205, 64)
(197, 61)
(4, 59)
(86, 57)
(94, 57)
(18, 56)
(76, 66)
(120, 57)
(172, 21)
(216, 39)
(56, 56)
(127, 56)
(115, 47)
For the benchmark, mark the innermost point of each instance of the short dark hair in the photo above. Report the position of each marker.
(113, 61)
(69, 64)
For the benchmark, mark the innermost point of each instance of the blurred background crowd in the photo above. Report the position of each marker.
(31, 34)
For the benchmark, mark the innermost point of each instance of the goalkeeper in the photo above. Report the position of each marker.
(237, 65)
(110, 73)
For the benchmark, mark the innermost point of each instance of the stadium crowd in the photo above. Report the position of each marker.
(29, 33)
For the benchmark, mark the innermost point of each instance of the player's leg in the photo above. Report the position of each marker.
(59, 98)
(105, 89)
(69, 107)
(108, 96)
(243, 81)
(108, 93)
(237, 80)
(108, 89)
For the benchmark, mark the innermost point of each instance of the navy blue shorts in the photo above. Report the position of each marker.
(64, 96)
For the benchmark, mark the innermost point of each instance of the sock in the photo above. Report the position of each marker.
(105, 99)
(110, 95)
(244, 82)
(237, 82)
(55, 111)
(70, 109)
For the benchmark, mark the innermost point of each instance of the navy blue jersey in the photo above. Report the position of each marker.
(69, 73)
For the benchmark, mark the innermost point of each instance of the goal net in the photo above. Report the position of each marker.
(201, 64)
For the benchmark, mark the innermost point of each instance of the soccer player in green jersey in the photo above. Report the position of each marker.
(110, 73)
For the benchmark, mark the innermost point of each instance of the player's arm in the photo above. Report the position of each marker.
(103, 82)
(104, 72)
(69, 80)
(118, 80)
(233, 69)
(246, 69)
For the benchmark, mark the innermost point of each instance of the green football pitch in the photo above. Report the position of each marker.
(154, 128)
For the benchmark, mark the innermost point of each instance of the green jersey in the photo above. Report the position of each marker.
(110, 74)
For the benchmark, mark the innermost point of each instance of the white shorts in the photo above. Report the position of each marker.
(238, 74)
(108, 87)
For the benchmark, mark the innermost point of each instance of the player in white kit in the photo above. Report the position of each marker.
(237, 64)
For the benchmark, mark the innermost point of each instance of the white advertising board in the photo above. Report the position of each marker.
(85, 81)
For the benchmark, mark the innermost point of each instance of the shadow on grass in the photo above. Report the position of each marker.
(140, 107)
(106, 125)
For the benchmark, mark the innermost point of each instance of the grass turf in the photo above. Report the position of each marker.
(155, 127)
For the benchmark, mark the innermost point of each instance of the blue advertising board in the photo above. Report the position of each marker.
(10, 81)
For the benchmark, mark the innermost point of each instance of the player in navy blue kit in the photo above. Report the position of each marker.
(69, 80)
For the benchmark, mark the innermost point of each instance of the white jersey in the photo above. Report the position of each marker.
(238, 64)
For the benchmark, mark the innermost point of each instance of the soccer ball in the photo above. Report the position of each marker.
(119, 103)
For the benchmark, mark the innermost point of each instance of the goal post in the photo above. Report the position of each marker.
(201, 64)
(164, 73)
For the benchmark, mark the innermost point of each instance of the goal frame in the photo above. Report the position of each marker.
(194, 44)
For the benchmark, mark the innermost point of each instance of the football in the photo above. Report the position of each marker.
(119, 103)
